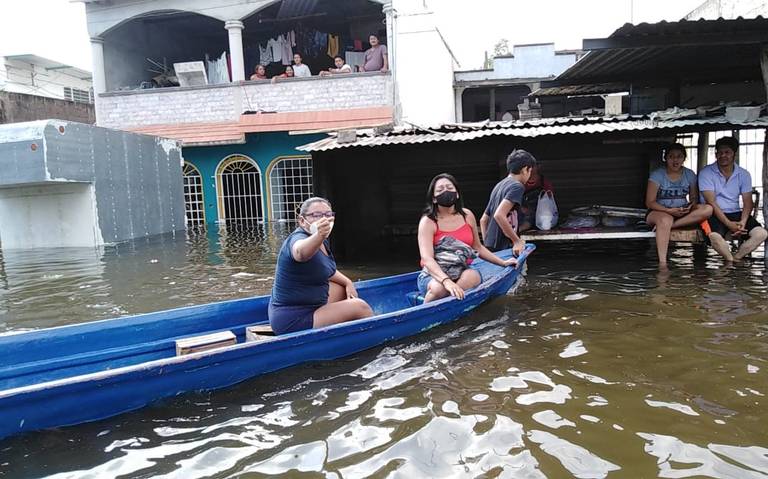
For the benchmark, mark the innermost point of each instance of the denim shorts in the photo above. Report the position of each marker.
(423, 282)
(424, 278)
(289, 319)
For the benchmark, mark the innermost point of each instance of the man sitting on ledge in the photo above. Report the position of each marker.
(721, 184)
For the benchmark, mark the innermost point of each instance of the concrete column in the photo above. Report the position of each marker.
(458, 92)
(391, 18)
(99, 76)
(235, 29)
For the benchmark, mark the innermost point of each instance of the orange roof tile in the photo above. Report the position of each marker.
(234, 132)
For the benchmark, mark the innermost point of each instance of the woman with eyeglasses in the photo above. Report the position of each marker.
(308, 291)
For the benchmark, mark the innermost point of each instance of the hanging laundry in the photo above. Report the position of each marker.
(320, 43)
(287, 51)
(292, 38)
(265, 55)
(277, 50)
(358, 45)
(333, 45)
(217, 70)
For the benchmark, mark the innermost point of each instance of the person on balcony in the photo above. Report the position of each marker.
(299, 69)
(376, 58)
(341, 67)
(287, 74)
(259, 73)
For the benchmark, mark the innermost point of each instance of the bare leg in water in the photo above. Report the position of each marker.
(757, 236)
(665, 223)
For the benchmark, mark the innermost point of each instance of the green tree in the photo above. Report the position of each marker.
(501, 48)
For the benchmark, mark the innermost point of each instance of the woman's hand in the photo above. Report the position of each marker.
(351, 291)
(509, 262)
(323, 227)
(679, 212)
(453, 288)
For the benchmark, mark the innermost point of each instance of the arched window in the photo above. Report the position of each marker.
(238, 187)
(290, 183)
(194, 203)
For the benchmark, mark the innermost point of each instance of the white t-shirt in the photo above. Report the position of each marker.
(344, 69)
(301, 71)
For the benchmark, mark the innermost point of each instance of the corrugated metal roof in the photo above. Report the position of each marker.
(576, 90)
(690, 50)
(524, 129)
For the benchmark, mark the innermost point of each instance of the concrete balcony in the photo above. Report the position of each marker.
(214, 114)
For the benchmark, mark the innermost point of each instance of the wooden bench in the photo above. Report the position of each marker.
(259, 332)
(205, 342)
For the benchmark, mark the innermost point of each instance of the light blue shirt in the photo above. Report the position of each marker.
(727, 192)
(673, 194)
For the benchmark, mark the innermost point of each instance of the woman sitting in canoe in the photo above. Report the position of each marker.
(448, 241)
(309, 292)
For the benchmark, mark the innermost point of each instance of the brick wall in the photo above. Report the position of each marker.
(18, 107)
(225, 103)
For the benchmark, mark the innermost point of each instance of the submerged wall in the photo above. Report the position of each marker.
(70, 184)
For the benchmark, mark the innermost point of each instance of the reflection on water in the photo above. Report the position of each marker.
(598, 366)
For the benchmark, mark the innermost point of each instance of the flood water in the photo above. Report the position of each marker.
(598, 365)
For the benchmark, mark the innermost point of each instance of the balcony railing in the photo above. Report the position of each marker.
(137, 109)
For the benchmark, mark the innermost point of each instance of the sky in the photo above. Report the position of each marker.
(56, 29)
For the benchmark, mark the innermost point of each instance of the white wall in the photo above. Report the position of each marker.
(32, 79)
(527, 61)
(62, 215)
(423, 67)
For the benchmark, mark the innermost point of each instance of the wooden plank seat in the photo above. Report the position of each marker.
(205, 342)
(259, 332)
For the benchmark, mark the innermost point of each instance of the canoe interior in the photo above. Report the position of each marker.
(57, 353)
(63, 352)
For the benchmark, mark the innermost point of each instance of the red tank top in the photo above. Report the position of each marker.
(463, 233)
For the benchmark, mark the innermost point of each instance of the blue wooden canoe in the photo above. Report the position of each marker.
(85, 372)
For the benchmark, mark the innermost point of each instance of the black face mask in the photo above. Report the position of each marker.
(447, 198)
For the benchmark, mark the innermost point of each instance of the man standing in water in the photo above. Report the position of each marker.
(499, 221)
(722, 184)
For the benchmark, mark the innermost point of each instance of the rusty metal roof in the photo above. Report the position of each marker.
(581, 90)
(527, 129)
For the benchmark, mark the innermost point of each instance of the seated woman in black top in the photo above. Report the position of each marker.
(309, 292)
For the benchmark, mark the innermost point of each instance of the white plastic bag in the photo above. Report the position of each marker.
(546, 211)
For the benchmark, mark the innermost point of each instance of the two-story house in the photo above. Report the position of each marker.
(37, 88)
(182, 69)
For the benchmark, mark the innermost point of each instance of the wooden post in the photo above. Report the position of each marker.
(764, 68)
(492, 105)
(702, 151)
(765, 179)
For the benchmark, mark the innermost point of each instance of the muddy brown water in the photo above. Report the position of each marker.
(598, 365)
